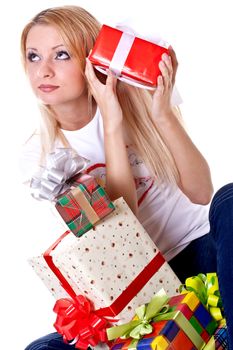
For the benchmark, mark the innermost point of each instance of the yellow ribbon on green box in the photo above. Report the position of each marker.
(207, 290)
(155, 310)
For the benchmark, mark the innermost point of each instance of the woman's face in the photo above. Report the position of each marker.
(54, 75)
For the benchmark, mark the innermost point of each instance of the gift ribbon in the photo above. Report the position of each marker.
(207, 290)
(79, 200)
(50, 180)
(185, 325)
(134, 287)
(141, 326)
(77, 321)
(121, 53)
(156, 310)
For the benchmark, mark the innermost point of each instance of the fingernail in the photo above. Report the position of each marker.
(161, 63)
(165, 56)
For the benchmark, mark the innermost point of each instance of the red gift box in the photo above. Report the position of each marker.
(132, 59)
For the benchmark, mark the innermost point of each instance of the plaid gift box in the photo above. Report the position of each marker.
(219, 340)
(220, 337)
(82, 206)
(188, 326)
(132, 59)
(80, 200)
(116, 265)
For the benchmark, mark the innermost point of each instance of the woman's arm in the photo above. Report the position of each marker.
(195, 179)
(119, 177)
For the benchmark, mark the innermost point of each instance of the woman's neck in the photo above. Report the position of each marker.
(74, 116)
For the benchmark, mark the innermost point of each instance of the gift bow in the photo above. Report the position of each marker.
(207, 290)
(51, 179)
(145, 313)
(77, 322)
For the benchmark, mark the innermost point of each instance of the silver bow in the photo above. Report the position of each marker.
(50, 180)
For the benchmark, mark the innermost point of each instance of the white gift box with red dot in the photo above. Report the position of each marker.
(103, 262)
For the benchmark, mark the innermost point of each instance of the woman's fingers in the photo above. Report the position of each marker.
(94, 82)
(165, 67)
(91, 76)
(174, 62)
(111, 81)
(160, 86)
(168, 63)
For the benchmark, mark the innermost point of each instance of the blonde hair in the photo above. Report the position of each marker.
(79, 30)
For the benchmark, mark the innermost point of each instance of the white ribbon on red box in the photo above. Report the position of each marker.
(121, 53)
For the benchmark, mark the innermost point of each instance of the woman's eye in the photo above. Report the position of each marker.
(62, 55)
(33, 57)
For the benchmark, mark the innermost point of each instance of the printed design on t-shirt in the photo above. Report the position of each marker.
(143, 181)
(98, 170)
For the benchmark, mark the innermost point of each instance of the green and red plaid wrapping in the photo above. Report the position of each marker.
(82, 206)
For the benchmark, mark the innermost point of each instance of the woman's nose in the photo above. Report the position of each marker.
(45, 70)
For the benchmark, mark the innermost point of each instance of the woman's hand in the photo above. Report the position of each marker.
(119, 177)
(194, 173)
(174, 61)
(161, 106)
(106, 98)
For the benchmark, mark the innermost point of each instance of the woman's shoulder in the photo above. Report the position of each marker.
(29, 156)
(33, 138)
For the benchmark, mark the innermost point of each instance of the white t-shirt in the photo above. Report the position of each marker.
(167, 214)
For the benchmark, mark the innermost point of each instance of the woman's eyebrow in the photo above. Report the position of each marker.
(31, 48)
(53, 48)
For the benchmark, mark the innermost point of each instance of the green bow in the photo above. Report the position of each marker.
(207, 290)
(144, 314)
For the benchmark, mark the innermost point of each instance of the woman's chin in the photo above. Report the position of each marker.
(48, 101)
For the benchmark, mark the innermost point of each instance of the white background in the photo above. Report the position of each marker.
(200, 32)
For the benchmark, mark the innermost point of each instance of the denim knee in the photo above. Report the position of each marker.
(223, 197)
(41, 343)
(37, 345)
(51, 341)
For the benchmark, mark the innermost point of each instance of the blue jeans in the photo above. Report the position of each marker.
(52, 341)
(214, 252)
(209, 253)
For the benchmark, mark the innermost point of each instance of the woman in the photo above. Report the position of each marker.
(136, 145)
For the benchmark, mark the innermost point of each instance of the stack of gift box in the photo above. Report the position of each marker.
(110, 281)
(105, 267)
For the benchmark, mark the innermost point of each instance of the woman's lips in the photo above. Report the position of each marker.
(48, 88)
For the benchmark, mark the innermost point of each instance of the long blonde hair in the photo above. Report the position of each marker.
(79, 30)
